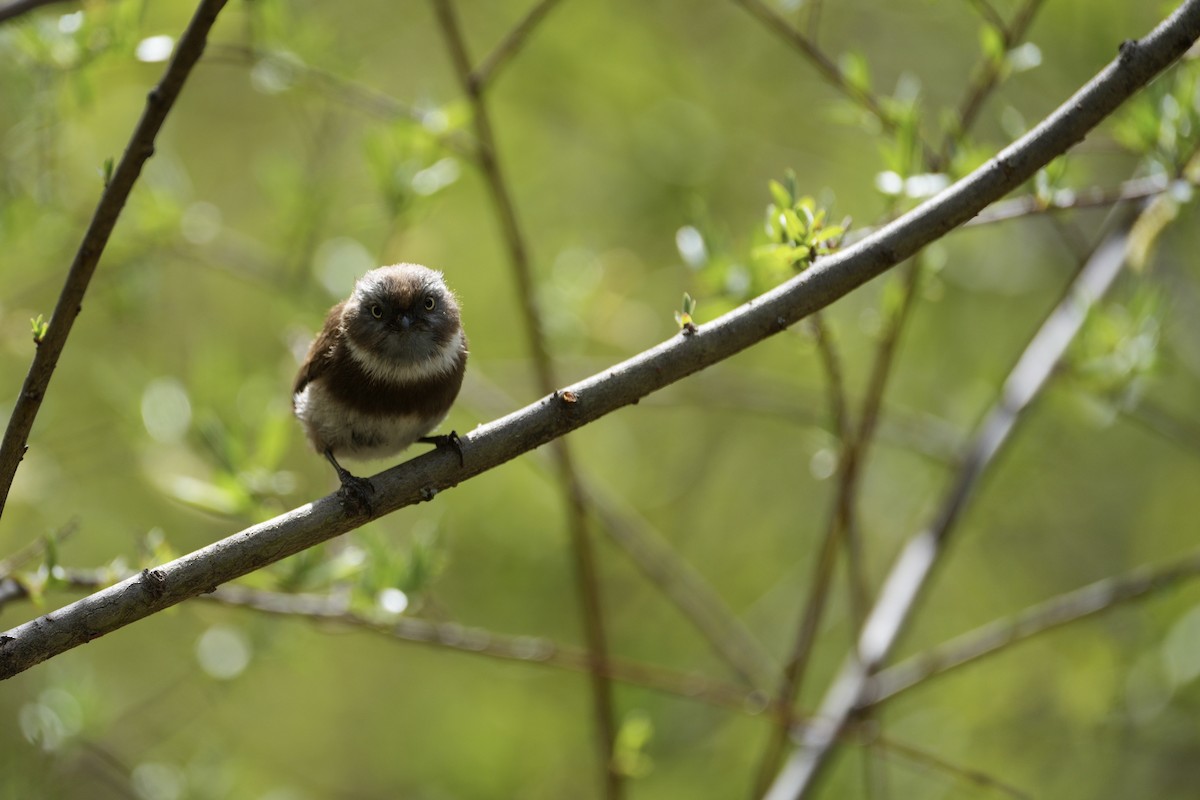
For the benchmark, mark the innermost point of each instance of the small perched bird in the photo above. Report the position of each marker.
(383, 372)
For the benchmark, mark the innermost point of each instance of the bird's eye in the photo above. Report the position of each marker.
(376, 311)
(430, 303)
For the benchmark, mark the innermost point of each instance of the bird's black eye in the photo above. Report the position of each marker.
(376, 311)
(430, 303)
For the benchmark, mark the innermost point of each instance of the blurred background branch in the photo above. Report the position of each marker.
(574, 499)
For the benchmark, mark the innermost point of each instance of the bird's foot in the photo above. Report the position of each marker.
(450, 440)
(355, 494)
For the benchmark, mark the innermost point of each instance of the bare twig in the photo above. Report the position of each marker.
(986, 79)
(70, 301)
(851, 458)
(16, 8)
(1061, 200)
(356, 95)
(621, 385)
(812, 22)
(1152, 417)
(587, 580)
(1080, 604)
(989, 14)
(686, 589)
(831, 361)
(528, 649)
(821, 62)
(512, 43)
(923, 434)
(835, 382)
(668, 571)
(911, 572)
(929, 761)
(1067, 199)
(37, 548)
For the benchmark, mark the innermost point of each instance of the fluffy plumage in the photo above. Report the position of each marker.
(386, 366)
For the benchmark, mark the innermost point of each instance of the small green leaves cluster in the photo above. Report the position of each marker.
(366, 568)
(796, 233)
(1162, 123)
(40, 326)
(1118, 349)
(633, 739)
(797, 230)
(684, 317)
(409, 161)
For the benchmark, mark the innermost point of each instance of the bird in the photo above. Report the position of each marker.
(383, 372)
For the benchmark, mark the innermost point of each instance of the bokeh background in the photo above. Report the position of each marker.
(317, 140)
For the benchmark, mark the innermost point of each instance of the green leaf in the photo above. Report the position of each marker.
(991, 42)
(629, 749)
(781, 196)
(827, 234)
(50, 549)
(855, 70)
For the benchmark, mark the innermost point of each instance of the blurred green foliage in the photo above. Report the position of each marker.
(641, 142)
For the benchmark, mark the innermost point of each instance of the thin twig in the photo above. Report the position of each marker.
(70, 301)
(922, 434)
(812, 23)
(533, 650)
(587, 579)
(661, 564)
(527, 649)
(1080, 604)
(16, 8)
(835, 382)
(1154, 418)
(838, 408)
(821, 62)
(928, 760)
(359, 96)
(685, 588)
(912, 570)
(990, 15)
(1062, 200)
(512, 43)
(38, 547)
(618, 386)
(986, 79)
(851, 457)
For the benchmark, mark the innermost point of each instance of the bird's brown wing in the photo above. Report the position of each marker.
(320, 354)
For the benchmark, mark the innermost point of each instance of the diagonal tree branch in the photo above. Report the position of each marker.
(70, 301)
(623, 384)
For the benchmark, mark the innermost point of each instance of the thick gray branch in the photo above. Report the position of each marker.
(623, 384)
